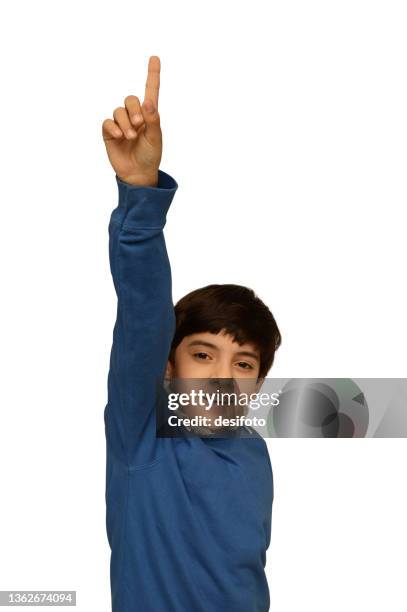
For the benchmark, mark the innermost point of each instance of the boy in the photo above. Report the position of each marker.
(188, 519)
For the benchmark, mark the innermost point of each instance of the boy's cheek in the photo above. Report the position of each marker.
(186, 366)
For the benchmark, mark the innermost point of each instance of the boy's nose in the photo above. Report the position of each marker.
(223, 383)
(224, 376)
(222, 371)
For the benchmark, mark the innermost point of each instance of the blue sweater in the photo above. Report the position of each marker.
(188, 519)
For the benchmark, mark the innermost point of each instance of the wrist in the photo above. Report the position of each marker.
(141, 180)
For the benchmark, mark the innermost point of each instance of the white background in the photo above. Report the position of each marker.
(285, 127)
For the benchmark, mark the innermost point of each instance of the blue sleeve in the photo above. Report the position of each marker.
(145, 321)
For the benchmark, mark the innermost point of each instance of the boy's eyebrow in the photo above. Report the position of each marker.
(202, 343)
(248, 354)
(213, 346)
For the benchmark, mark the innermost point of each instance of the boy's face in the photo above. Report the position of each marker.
(214, 361)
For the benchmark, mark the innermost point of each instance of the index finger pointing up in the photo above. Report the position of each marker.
(153, 80)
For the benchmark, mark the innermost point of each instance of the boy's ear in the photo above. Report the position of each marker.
(169, 371)
(259, 384)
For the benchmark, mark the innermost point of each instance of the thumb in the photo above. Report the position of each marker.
(152, 121)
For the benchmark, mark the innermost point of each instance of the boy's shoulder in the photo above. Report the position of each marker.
(249, 432)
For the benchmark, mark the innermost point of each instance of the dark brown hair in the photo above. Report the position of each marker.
(233, 308)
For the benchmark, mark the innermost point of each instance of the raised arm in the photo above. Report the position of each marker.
(142, 277)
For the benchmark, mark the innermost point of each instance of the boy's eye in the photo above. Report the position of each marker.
(245, 366)
(201, 355)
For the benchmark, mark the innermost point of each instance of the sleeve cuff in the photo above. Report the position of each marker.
(146, 206)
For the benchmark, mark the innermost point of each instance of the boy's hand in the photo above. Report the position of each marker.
(133, 138)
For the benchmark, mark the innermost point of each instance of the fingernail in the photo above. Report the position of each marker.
(137, 117)
(131, 133)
